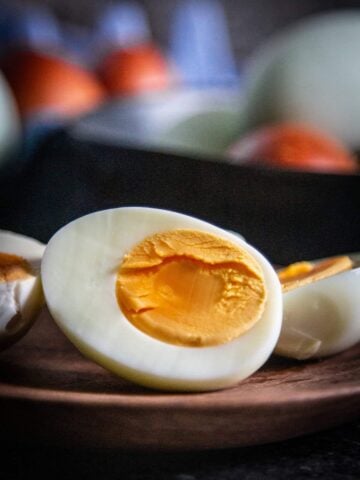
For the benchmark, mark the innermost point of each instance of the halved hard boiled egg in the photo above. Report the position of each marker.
(321, 308)
(20, 288)
(163, 299)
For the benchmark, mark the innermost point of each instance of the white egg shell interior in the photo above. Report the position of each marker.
(21, 298)
(79, 272)
(328, 311)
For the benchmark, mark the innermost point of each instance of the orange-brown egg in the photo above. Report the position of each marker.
(44, 82)
(294, 146)
(135, 69)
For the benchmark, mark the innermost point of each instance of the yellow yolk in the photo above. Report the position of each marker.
(190, 288)
(13, 267)
(303, 273)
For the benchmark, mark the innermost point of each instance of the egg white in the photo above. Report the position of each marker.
(326, 312)
(79, 271)
(20, 297)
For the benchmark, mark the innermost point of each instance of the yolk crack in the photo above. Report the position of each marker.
(190, 288)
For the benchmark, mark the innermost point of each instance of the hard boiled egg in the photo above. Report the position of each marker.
(20, 288)
(321, 308)
(163, 299)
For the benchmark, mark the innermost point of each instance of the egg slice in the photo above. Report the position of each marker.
(20, 288)
(163, 299)
(321, 308)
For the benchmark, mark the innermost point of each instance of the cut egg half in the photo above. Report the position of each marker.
(163, 299)
(321, 308)
(20, 287)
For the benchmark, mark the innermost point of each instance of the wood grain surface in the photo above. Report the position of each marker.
(50, 394)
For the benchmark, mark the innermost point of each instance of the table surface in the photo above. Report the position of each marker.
(330, 455)
(50, 393)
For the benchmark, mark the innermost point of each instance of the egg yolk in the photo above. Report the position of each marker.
(13, 267)
(303, 273)
(190, 288)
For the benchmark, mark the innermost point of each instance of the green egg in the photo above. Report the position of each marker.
(309, 73)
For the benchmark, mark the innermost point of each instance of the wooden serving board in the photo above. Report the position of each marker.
(50, 394)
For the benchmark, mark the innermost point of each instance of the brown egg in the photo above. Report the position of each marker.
(43, 82)
(135, 69)
(293, 146)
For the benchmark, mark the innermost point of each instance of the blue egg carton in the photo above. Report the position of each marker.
(198, 45)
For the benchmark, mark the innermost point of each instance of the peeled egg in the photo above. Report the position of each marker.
(321, 308)
(163, 299)
(47, 83)
(309, 73)
(20, 287)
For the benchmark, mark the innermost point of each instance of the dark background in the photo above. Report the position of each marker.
(332, 455)
(250, 21)
(287, 215)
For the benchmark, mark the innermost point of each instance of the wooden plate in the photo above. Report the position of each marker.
(50, 394)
